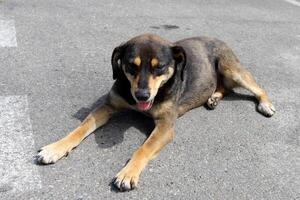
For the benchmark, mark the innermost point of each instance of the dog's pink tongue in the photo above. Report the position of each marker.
(143, 105)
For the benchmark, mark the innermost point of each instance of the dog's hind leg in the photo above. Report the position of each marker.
(235, 75)
(216, 97)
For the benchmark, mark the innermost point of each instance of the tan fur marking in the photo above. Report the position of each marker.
(91, 123)
(137, 61)
(154, 62)
(220, 91)
(236, 75)
(164, 109)
(133, 81)
(161, 135)
(117, 101)
(155, 82)
(53, 152)
(134, 84)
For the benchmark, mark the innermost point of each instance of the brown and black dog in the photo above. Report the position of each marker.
(164, 80)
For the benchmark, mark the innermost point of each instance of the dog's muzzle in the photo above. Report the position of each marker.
(142, 96)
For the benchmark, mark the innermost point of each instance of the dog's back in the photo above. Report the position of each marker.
(202, 55)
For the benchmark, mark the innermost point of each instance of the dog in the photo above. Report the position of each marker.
(164, 80)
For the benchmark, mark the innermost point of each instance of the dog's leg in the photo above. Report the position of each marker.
(215, 98)
(236, 75)
(128, 177)
(53, 152)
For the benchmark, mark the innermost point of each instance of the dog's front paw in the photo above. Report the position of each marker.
(51, 153)
(126, 179)
(266, 108)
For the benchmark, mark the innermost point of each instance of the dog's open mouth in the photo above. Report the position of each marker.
(144, 105)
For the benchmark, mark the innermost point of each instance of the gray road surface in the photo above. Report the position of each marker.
(55, 64)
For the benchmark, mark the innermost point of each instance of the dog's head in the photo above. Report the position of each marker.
(148, 62)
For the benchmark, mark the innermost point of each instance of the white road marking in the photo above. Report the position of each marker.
(8, 33)
(17, 171)
(294, 2)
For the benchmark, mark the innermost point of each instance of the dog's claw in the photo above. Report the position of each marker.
(125, 180)
(123, 185)
(117, 183)
(132, 184)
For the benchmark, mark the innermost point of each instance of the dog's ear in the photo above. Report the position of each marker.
(180, 59)
(116, 61)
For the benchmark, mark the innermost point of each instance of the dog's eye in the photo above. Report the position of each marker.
(132, 69)
(159, 70)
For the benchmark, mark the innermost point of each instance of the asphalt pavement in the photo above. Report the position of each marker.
(55, 65)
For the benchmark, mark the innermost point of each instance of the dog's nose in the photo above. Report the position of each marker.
(142, 94)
